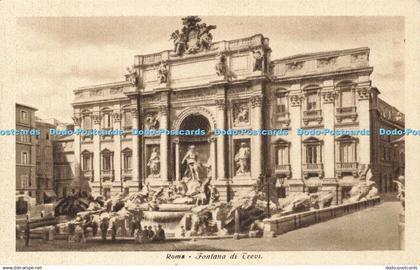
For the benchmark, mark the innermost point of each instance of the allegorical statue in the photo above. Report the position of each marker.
(191, 159)
(163, 72)
(205, 38)
(242, 159)
(132, 75)
(242, 114)
(180, 42)
(154, 163)
(151, 121)
(258, 60)
(221, 67)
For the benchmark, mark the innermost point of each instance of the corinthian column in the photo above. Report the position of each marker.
(76, 120)
(97, 150)
(328, 97)
(256, 147)
(163, 121)
(212, 141)
(221, 107)
(177, 160)
(135, 140)
(296, 143)
(117, 143)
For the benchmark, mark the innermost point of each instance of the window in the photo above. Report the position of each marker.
(347, 98)
(107, 160)
(25, 158)
(347, 152)
(86, 161)
(281, 103)
(106, 120)
(24, 181)
(311, 154)
(127, 119)
(282, 155)
(312, 102)
(346, 94)
(86, 122)
(127, 157)
(24, 116)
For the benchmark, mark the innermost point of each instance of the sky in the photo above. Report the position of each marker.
(56, 55)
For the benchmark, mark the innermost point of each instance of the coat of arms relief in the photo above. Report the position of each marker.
(193, 37)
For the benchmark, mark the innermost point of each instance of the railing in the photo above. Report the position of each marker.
(312, 114)
(282, 169)
(107, 173)
(126, 171)
(282, 115)
(87, 173)
(346, 110)
(312, 166)
(346, 167)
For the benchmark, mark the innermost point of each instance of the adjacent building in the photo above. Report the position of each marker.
(44, 162)
(26, 185)
(234, 85)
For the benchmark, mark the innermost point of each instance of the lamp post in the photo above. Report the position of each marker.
(265, 181)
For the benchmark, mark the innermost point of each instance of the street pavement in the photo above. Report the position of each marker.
(374, 228)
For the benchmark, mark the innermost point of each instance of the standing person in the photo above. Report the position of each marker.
(150, 233)
(161, 233)
(144, 235)
(155, 234)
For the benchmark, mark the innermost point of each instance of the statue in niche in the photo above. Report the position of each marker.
(151, 121)
(154, 163)
(242, 159)
(241, 114)
(258, 60)
(132, 75)
(163, 72)
(221, 67)
(191, 159)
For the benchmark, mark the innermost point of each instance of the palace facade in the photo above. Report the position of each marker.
(234, 84)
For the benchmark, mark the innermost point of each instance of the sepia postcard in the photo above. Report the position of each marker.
(180, 132)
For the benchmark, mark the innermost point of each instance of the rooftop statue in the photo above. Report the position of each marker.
(193, 37)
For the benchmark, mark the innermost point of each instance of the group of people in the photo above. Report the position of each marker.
(150, 234)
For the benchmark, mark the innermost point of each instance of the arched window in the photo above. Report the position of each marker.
(107, 162)
(127, 155)
(313, 151)
(87, 160)
(347, 147)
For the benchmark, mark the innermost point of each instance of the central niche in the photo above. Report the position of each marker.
(194, 150)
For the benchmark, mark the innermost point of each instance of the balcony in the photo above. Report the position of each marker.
(312, 115)
(107, 174)
(346, 167)
(282, 169)
(282, 118)
(312, 168)
(346, 112)
(126, 172)
(87, 173)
